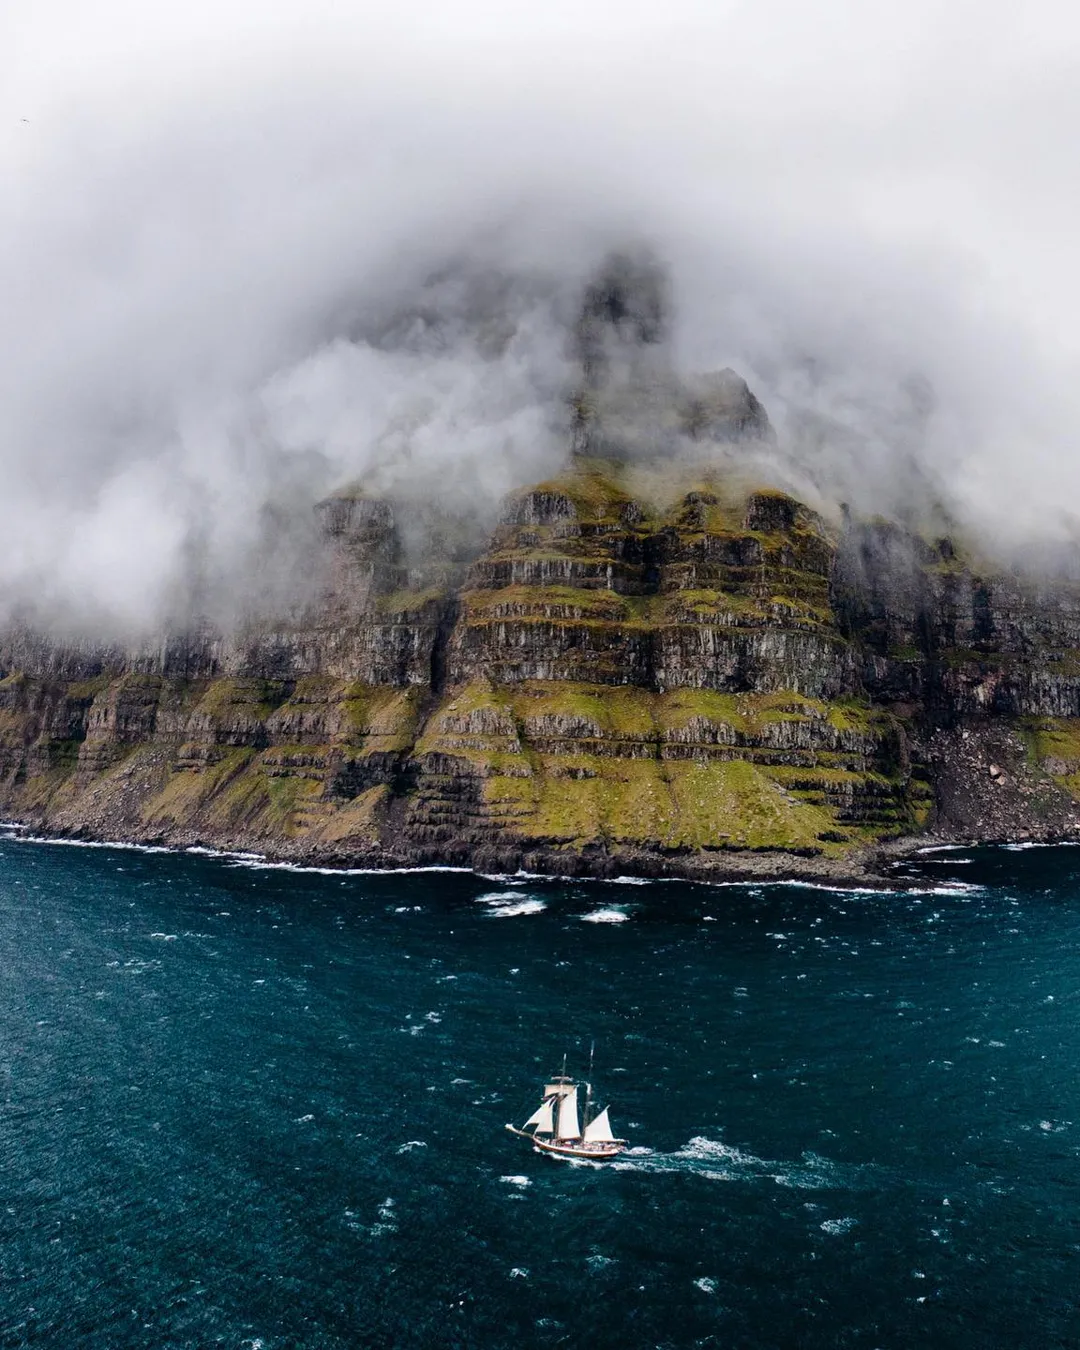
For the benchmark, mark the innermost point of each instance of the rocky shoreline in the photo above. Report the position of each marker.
(652, 665)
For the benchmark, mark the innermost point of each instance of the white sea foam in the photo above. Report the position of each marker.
(706, 1285)
(387, 1219)
(515, 1181)
(520, 878)
(835, 1227)
(531, 905)
(507, 904)
(89, 843)
(411, 1144)
(259, 863)
(714, 1160)
(609, 914)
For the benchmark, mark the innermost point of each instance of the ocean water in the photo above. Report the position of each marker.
(264, 1109)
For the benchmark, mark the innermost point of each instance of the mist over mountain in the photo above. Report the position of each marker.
(251, 255)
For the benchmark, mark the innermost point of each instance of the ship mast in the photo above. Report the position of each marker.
(588, 1091)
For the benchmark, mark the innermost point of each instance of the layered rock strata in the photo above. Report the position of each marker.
(645, 670)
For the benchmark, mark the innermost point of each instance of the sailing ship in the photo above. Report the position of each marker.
(554, 1127)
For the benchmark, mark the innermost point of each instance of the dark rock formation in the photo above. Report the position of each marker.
(645, 668)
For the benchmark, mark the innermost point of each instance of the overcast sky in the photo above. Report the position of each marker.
(205, 203)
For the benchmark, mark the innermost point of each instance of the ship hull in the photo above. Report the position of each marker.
(573, 1148)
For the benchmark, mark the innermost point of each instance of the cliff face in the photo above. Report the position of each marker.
(649, 665)
(645, 670)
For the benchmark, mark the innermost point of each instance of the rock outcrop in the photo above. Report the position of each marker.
(645, 670)
(649, 666)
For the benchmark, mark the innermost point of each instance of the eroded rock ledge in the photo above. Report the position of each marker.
(646, 670)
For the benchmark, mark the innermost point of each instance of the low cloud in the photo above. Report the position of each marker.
(264, 254)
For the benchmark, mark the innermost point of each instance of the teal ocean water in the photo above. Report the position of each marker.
(261, 1108)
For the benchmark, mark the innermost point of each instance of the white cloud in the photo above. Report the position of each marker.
(212, 207)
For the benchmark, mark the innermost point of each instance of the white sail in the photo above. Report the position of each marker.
(543, 1118)
(568, 1121)
(598, 1131)
(557, 1089)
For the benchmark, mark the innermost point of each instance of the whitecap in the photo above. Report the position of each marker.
(411, 1144)
(834, 1227)
(609, 914)
(528, 905)
(515, 1181)
(706, 1285)
(258, 863)
(89, 843)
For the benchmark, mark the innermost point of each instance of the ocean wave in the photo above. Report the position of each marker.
(508, 904)
(258, 863)
(89, 843)
(609, 914)
(1023, 844)
(951, 888)
(530, 905)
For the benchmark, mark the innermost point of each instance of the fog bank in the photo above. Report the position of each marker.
(252, 254)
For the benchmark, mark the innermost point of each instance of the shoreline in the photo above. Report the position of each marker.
(868, 872)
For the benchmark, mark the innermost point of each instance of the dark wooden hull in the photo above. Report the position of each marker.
(573, 1148)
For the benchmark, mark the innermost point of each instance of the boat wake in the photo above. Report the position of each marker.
(717, 1161)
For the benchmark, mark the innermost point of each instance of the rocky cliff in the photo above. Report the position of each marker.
(649, 667)
(652, 663)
